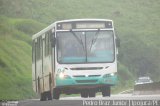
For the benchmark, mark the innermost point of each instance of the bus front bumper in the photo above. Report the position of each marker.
(107, 79)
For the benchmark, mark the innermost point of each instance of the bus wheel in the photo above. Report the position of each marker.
(106, 91)
(84, 94)
(92, 93)
(49, 95)
(56, 93)
(43, 97)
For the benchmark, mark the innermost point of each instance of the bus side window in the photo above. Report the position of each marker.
(37, 50)
(33, 51)
(49, 40)
(46, 45)
(40, 48)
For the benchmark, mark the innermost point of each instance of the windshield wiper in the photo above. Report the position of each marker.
(78, 39)
(94, 39)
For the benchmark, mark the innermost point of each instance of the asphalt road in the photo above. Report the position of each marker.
(114, 100)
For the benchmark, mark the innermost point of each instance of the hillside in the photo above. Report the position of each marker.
(137, 23)
(15, 58)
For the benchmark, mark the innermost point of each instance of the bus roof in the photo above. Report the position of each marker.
(70, 20)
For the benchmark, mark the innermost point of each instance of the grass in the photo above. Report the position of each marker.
(15, 80)
(15, 59)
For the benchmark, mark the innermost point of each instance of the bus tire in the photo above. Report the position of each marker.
(39, 88)
(43, 97)
(50, 86)
(84, 94)
(92, 93)
(56, 93)
(49, 95)
(106, 91)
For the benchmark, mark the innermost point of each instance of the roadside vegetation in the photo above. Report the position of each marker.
(15, 57)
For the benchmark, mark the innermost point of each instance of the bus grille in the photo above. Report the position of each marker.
(77, 76)
(94, 75)
(87, 68)
(86, 81)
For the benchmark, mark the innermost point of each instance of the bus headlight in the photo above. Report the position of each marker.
(63, 76)
(112, 74)
(109, 75)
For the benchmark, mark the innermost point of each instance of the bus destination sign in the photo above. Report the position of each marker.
(90, 25)
(84, 25)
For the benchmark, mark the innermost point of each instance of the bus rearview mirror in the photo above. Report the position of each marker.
(118, 42)
(53, 41)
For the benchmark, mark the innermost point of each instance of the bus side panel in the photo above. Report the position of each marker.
(33, 68)
(33, 78)
(53, 68)
(47, 62)
(39, 76)
(47, 73)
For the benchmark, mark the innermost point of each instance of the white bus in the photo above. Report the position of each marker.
(77, 56)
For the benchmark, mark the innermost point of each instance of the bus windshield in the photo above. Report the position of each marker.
(85, 46)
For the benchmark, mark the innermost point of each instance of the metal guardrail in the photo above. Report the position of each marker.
(147, 89)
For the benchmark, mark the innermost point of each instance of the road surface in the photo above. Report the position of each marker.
(114, 100)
